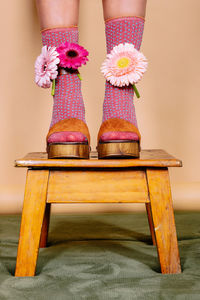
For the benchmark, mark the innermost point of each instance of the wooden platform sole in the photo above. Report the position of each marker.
(118, 149)
(68, 150)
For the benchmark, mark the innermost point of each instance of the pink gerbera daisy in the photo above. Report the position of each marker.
(46, 67)
(72, 55)
(124, 65)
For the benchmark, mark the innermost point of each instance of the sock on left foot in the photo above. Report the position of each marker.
(118, 101)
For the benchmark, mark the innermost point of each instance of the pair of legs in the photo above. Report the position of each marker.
(64, 13)
(124, 21)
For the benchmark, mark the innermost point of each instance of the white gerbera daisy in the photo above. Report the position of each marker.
(46, 66)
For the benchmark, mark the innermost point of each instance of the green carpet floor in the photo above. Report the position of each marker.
(103, 256)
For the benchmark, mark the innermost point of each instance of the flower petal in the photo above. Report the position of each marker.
(74, 62)
(129, 73)
(46, 66)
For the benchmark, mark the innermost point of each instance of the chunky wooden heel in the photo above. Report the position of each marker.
(118, 148)
(121, 148)
(69, 149)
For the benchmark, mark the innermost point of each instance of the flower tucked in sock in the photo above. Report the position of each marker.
(68, 100)
(118, 101)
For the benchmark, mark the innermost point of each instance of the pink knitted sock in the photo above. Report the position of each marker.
(68, 100)
(118, 101)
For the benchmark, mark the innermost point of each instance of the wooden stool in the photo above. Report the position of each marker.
(143, 180)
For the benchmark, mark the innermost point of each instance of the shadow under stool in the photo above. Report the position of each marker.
(142, 180)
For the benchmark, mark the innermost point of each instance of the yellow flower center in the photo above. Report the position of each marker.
(123, 62)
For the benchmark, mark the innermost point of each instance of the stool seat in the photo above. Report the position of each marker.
(93, 180)
(148, 158)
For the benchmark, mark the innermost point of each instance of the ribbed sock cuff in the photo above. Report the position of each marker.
(55, 36)
(124, 30)
(121, 18)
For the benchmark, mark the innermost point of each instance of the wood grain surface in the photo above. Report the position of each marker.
(31, 223)
(45, 226)
(163, 220)
(148, 158)
(151, 225)
(102, 186)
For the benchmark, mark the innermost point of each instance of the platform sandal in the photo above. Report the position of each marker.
(69, 149)
(118, 148)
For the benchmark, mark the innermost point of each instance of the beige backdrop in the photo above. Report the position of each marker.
(168, 112)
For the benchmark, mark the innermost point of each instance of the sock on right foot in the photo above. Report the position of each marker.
(68, 101)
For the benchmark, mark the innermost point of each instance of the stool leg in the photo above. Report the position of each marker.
(45, 226)
(163, 220)
(31, 223)
(151, 227)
